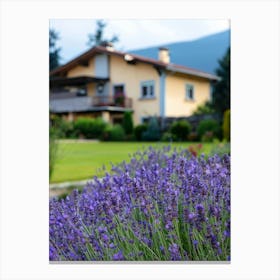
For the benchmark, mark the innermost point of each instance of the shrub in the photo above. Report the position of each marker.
(168, 137)
(153, 132)
(130, 137)
(138, 131)
(226, 125)
(208, 136)
(208, 128)
(164, 205)
(180, 129)
(67, 128)
(90, 128)
(204, 109)
(114, 133)
(64, 128)
(128, 123)
(193, 136)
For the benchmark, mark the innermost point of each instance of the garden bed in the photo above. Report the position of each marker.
(162, 205)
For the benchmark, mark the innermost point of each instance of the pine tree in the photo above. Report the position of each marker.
(153, 130)
(128, 123)
(221, 89)
(97, 38)
(54, 51)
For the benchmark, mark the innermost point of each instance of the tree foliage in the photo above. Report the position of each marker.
(90, 128)
(128, 123)
(153, 131)
(97, 38)
(139, 130)
(226, 125)
(206, 126)
(203, 109)
(221, 89)
(180, 129)
(54, 51)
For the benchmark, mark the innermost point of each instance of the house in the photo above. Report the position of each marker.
(105, 82)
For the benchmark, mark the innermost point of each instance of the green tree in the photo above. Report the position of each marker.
(221, 89)
(54, 51)
(139, 130)
(153, 131)
(204, 109)
(208, 127)
(128, 123)
(180, 129)
(97, 38)
(226, 125)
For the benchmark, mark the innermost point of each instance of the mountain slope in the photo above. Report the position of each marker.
(202, 54)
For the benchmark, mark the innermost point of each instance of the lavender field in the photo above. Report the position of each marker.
(163, 205)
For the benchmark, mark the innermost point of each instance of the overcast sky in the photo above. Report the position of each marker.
(133, 34)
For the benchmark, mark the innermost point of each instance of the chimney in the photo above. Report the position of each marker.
(163, 55)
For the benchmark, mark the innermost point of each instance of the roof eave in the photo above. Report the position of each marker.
(75, 61)
(194, 73)
(94, 50)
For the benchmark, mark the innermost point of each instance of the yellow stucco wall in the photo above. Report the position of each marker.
(132, 76)
(176, 104)
(82, 70)
(91, 89)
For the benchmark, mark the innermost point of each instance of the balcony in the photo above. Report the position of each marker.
(124, 102)
(65, 101)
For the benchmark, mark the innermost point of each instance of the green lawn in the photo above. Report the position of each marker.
(82, 160)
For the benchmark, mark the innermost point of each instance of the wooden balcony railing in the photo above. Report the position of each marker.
(124, 102)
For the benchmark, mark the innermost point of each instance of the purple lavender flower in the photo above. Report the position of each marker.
(159, 195)
(191, 217)
(105, 237)
(174, 252)
(118, 256)
(53, 253)
(195, 242)
(200, 209)
(227, 230)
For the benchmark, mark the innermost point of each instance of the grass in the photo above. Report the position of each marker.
(83, 160)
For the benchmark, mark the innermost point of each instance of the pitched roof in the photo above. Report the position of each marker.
(157, 63)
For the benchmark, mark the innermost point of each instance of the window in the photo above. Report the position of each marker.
(119, 94)
(118, 89)
(148, 89)
(81, 91)
(189, 92)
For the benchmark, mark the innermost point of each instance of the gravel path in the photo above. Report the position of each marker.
(57, 189)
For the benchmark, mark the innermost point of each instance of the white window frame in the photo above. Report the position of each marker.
(151, 93)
